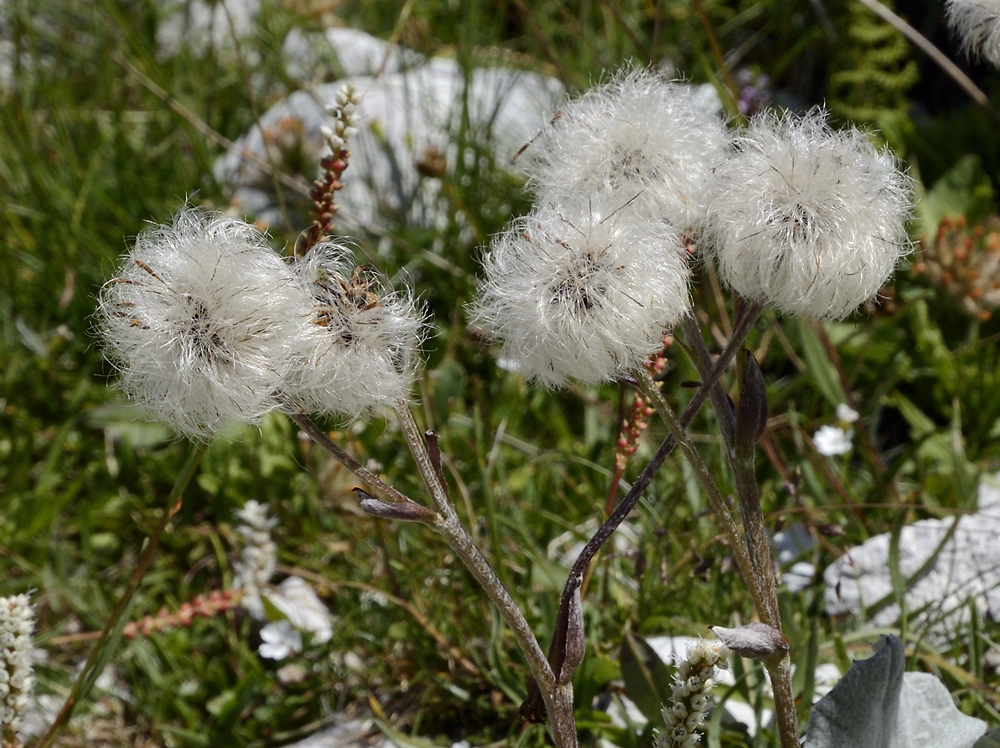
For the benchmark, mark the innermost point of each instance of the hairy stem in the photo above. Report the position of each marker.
(762, 581)
(557, 693)
(318, 435)
(557, 651)
(747, 491)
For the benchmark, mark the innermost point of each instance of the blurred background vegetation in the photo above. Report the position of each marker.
(91, 149)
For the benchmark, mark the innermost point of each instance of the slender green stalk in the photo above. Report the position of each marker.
(112, 631)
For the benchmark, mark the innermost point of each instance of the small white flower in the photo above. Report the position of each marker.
(359, 348)
(846, 414)
(636, 136)
(833, 440)
(806, 219)
(198, 321)
(582, 294)
(977, 25)
(278, 640)
(302, 607)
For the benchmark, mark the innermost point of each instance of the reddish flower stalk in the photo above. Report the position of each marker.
(634, 424)
(324, 191)
(216, 602)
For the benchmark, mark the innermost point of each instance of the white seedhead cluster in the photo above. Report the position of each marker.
(209, 326)
(584, 286)
(629, 176)
(584, 293)
(806, 219)
(360, 345)
(976, 23)
(638, 136)
(200, 320)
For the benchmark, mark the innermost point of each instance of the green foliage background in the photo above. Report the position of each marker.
(90, 151)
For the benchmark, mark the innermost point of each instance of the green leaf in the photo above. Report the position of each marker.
(819, 366)
(647, 679)
(964, 190)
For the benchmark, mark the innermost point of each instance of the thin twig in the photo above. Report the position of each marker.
(937, 56)
(579, 569)
(116, 623)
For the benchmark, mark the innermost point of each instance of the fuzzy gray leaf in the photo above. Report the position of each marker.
(860, 711)
(928, 718)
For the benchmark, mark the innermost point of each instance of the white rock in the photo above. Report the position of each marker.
(965, 566)
(407, 117)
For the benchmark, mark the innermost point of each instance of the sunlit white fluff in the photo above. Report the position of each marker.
(976, 23)
(806, 219)
(198, 320)
(637, 136)
(583, 293)
(359, 348)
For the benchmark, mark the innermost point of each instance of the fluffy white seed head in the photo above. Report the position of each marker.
(636, 136)
(359, 348)
(806, 219)
(976, 23)
(198, 320)
(582, 294)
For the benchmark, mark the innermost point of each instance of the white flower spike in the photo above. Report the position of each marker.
(806, 219)
(198, 320)
(637, 136)
(582, 294)
(359, 348)
(691, 696)
(976, 23)
(17, 681)
(259, 557)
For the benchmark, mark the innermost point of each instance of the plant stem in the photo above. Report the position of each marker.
(556, 692)
(575, 578)
(111, 633)
(742, 464)
(763, 580)
(741, 555)
(780, 670)
(319, 436)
